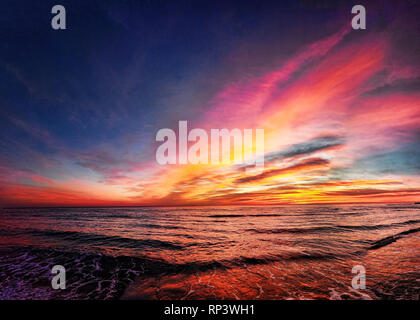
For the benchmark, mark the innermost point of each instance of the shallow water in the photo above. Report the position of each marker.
(283, 252)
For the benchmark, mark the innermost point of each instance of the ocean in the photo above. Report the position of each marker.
(253, 252)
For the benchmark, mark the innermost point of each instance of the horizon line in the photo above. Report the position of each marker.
(215, 205)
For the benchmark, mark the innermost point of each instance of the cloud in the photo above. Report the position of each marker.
(339, 121)
(373, 191)
(306, 164)
(306, 148)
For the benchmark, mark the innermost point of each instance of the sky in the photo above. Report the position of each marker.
(80, 108)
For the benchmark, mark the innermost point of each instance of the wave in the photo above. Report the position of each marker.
(337, 228)
(159, 226)
(388, 240)
(290, 230)
(26, 271)
(97, 239)
(246, 215)
(379, 226)
(319, 211)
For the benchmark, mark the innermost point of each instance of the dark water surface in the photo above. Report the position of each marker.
(283, 252)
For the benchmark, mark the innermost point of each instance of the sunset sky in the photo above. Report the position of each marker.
(80, 108)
